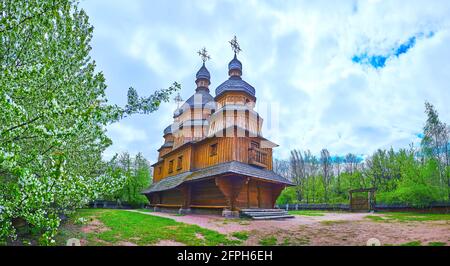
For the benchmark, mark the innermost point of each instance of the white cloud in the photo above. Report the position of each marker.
(297, 55)
(125, 137)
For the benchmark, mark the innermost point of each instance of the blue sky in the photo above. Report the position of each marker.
(351, 76)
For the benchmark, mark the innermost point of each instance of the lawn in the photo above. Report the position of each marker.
(307, 213)
(121, 227)
(114, 227)
(408, 217)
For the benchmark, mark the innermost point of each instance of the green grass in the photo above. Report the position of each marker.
(296, 241)
(307, 213)
(143, 229)
(268, 241)
(409, 216)
(329, 223)
(240, 221)
(412, 244)
(241, 235)
(376, 218)
(437, 244)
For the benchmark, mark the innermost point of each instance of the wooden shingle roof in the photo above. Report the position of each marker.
(232, 167)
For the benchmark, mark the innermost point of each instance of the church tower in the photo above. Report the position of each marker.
(191, 120)
(214, 157)
(235, 103)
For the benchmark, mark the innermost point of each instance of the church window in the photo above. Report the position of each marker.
(180, 162)
(213, 149)
(255, 144)
(170, 166)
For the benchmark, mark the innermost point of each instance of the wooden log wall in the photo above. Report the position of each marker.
(203, 157)
(206, 193)
(171, 197)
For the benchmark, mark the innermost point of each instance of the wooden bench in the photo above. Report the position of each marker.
(167, 205)
(207, 207)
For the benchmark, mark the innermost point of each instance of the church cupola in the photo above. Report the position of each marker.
(235, 83)
(203, 78)
(235, 67)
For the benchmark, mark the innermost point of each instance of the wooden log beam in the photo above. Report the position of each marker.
(276, 191)
(186, 193)
(231, 187)
(225, 187)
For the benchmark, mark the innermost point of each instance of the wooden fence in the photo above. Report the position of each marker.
(113, 205)
(443, 207)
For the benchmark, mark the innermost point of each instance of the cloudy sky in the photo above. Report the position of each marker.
(351, 76)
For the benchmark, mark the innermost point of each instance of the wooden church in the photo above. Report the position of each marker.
(214, 156)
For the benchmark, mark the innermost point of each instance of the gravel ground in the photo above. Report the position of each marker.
(329, 229)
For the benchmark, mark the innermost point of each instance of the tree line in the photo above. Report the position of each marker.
(416, 176)
(137, 173)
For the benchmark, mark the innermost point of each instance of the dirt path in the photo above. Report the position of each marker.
(329, 229)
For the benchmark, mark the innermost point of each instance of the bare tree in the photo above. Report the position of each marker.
(325, 160)
(297, 165)
(282, 168)
(337, 163)
(351, 163)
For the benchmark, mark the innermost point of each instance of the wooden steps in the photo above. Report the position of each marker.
(265, 214)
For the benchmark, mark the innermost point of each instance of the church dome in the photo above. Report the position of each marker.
(201, 99)
(235, 64)
(177, 112)
(168, 130)
(203, 73)
(235, 83)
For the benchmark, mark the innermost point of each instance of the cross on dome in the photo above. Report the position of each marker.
(204, 55)
(235, 45)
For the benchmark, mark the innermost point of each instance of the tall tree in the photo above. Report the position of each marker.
(53, 115)
(435, 143)
(298, 172)
(282, 167)
(325, 160)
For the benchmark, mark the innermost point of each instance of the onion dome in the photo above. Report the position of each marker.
(201, 98)
(235, 67)
(235, 82)
(168, 130)
(203, 73)
(202, 79)
(177, 112)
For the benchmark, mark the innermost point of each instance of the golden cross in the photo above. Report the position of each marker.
(204, 55)
(235, 45)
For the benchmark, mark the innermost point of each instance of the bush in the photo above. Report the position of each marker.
(418, 195)
(287, 196)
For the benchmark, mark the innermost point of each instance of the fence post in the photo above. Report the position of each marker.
(296, 207)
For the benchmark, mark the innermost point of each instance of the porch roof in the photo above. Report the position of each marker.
(233, 167)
